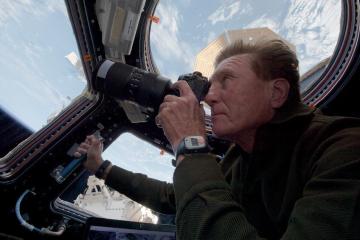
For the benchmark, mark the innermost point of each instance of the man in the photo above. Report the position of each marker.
(291, 173)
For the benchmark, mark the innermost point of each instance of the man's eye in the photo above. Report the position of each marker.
(224, 80)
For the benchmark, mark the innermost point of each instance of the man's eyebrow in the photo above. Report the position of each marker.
(220, 73)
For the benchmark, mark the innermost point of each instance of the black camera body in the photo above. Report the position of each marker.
(139, 92)
(198, 83)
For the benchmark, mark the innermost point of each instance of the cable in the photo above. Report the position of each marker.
(30, 227)
(45, 231)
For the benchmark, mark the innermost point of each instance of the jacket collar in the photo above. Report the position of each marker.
(282, 116)
(275, 141)
(287, 114)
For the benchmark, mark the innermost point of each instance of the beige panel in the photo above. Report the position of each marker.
(205, 58)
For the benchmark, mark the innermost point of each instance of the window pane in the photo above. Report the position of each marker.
(187, 27)
(39, 65)
(99, 200)
(134, 155)
(138, 156)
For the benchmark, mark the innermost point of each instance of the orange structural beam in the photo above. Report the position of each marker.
(154, 19)
(87, 57)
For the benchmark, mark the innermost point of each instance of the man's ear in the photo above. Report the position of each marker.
(280, 92)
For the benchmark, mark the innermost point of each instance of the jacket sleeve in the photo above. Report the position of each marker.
(206, 208)
(154, 194)
(328, 209)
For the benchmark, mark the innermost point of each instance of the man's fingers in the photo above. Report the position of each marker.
(84, 145)
(77, 154)
(170, 98)
(90, 139)
(165, 105)
(80, 151)
(183, 88)
(90, 142)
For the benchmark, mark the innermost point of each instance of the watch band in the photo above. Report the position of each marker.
(197, 145)
(179, 150)
(101, 170)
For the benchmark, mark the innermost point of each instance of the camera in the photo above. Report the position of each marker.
(140, 92)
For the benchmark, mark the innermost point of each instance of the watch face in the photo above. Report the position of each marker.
(194, 142)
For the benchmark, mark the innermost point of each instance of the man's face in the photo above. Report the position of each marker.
(240, 101)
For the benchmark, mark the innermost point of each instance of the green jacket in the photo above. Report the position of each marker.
(302, 181)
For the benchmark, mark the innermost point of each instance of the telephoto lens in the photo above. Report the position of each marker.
(139, 92)
(125, 82)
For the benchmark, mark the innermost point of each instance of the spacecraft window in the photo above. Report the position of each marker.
(41, 72)
(188, 34)
(133, 154)
(137, 155)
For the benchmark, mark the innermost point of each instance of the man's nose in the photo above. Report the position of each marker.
(212, 95)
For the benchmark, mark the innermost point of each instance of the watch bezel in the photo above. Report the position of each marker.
(189, 142)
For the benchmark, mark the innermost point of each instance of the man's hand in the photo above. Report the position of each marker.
(93, 147)
(181, 116)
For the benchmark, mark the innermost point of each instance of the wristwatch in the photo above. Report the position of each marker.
(190, 145)
(101, 170)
